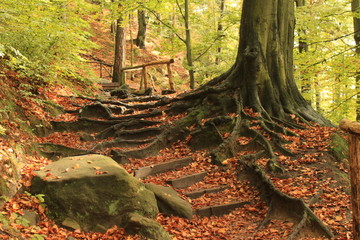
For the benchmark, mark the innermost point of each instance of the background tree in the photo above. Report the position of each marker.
(120, 52)
(327, 68)
(142, 23)
(220, 28)
(355, 6)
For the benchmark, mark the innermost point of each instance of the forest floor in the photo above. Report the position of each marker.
(313, 175)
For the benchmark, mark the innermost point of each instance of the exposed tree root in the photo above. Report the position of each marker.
(138, 134)
(139, 116)
(131, 124)
(218, 116)
(282, 205)
(83, 125)
(121, 144)
(265, 131)
(56, 151)
(152, 149)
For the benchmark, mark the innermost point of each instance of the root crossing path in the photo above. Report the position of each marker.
(235, 200)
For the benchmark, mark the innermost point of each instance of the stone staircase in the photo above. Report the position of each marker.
(129, 137)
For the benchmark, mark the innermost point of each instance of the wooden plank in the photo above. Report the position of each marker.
(197, 194)
(219, 210)
(187, 181)
(110, 85)
(149, 64)
(162, 167)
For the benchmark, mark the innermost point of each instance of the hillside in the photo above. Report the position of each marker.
(43, 121)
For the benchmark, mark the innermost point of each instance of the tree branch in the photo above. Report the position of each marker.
(343, 101)
(335, 55)
(165, 24)
(209, 47)
(333, 39)
(181, 12)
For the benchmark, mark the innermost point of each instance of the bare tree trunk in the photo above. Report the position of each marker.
(355, 6)
(142, 24)
(188, 45)
(303, 47)
(220, 29)
(120, 53)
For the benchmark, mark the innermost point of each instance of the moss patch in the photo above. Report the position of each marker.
(339, 147)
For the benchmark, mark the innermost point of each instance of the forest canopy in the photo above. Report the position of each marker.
(48, 38)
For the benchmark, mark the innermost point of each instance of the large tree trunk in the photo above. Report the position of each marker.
(355, 6)
(120, 53)
(264, 67)
(141, 35)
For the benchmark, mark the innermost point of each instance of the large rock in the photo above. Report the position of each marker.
(93, 191)
(169, 202)
(95, 110)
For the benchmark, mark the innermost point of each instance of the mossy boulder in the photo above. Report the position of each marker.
(93, 191)
(96, 110)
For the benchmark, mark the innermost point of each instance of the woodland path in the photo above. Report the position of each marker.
(225, 204)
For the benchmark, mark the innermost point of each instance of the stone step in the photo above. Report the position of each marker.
(162, 167)
(187, 181)
(199, 193)
(107, 86)
(218, 210)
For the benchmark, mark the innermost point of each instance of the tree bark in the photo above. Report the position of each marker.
(120, 53)
(188, 45)
(220, 29)
(142, 25)
(263, 71)
(303, 47)
(354, 159)
(355, 5)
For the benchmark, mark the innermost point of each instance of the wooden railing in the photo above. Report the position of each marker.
(105, 67)
(143, 68)
(353, 128)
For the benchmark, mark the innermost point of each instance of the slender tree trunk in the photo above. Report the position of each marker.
(355, 6)
(317, 97)
(131, 47)
(142, 25)
(188, 45)
(220, 29)
(120, 53)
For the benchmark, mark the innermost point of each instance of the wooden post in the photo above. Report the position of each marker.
(353, 128)
(101, 70)
(171, 81)
(144, 73)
